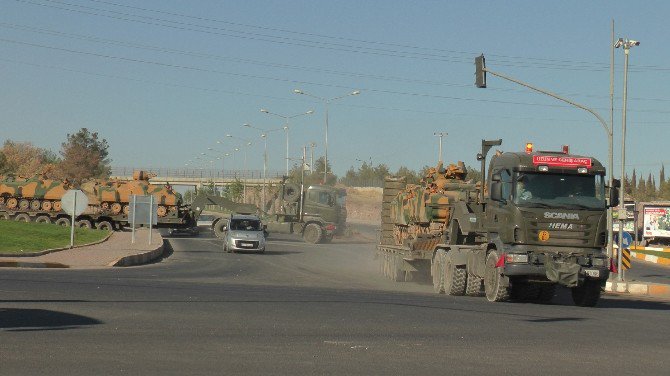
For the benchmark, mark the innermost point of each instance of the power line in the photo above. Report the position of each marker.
(185, 26)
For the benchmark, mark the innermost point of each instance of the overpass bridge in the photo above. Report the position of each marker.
(199, 177)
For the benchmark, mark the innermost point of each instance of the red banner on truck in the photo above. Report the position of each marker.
(552, 160)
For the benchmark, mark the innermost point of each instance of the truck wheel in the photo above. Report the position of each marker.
(312, 233)
(586, 295)
(219, 228)
(63, 222)
(436, 271)
(454, 277)
(22, 217)
(473, 286)
(105, 225)
(495, 284)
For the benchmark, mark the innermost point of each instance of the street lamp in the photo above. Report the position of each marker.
(286, 127)
(326, 103)
(440, 135)
(627, 44)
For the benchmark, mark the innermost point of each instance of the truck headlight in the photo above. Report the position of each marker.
(516, 258)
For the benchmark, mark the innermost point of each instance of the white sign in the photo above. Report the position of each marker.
(74, 202)
(656, 221)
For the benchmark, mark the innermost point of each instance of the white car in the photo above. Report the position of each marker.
(244, 233)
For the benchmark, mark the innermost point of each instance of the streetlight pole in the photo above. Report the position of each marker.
(244, 180)
(264, 136)
(312, 145)
(626, 44)
(326, 103)
(286, 126)
(440, 135)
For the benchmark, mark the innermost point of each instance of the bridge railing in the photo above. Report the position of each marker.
(196, 173)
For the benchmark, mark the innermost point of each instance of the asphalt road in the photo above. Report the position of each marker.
(302, 309)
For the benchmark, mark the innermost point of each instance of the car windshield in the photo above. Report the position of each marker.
(245, 225)
(559, 191)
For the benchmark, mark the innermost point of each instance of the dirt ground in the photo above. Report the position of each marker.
(364, 204)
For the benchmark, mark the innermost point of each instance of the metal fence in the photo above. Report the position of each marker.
(196, 173)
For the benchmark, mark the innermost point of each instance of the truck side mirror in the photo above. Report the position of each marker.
(496, 190)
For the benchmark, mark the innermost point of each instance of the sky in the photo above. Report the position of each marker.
(165, 81)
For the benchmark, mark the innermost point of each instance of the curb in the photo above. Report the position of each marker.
(21, 264)
(140, 258)
(650, 258)
(47, 251)
(638, 288)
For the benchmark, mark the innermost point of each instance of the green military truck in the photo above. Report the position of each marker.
(537, 220)
(317, 213)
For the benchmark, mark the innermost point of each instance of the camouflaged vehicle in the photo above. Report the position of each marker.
(537, 221)
(39, 200)
(114, 195)
(32, 194)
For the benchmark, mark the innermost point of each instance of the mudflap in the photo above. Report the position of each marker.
(565, 273)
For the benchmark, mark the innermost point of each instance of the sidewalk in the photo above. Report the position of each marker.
(115, 251)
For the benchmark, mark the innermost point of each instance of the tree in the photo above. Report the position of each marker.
(25, 159)
(85, 156)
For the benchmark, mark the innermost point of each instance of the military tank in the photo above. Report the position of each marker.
(114, 195)
(32, 194)
(39, 199)
(420, 213)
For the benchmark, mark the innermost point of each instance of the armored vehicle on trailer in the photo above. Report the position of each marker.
(538, 220)
(38, 199)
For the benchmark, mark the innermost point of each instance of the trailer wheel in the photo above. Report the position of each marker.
(454, 277)
(22, 217)
(495, 284)
(105, 225)
(83, 223)
(63, 222)
(436, 271)
(43, 219)
(313, 233)
(586, 295)
(473, 286)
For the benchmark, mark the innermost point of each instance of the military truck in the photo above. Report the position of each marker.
(317, 213)
(537, 220)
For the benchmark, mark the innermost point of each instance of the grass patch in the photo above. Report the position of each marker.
(654, 253)
(24, 238)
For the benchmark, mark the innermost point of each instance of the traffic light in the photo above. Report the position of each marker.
(480, 71)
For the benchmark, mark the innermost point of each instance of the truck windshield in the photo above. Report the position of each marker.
(560, 191)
